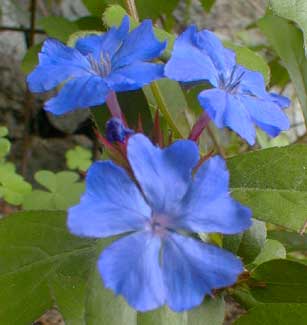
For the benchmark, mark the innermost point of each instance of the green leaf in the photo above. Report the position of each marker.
(252, 241)
(265, 141)
(207, 4)
(64, 191)
(58, 27)
(101, 306)
(211, 312)
(96, 7)
(295, 10)
(273, 183)
(272, 250)
(46, 266)
(3, 131)
(279, 74)
(167, 96)
(249, 244)
(277, 314)
(30, 60)
(78, 158)
(5, 147)
(89, 23)
(13, 188)
(251, 60)
(280, 281)
(291, 240)
(43, 265)
(287, 41)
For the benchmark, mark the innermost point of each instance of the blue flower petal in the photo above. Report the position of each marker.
(281, 101)
(134, 76)
(112, 204)
(214, 102)
(188, 63)
(164, 174)
(130, 267)
(78, 93)
(57, 63)
(238, 119)
(227, 110)
(266, 113)
(139, 45)
(192, 269)
(208, 206)
(223, 59)
(252, 83)
(108, 42)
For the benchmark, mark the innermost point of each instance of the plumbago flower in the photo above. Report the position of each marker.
(157, 263)
(238, 98)
(114, 61)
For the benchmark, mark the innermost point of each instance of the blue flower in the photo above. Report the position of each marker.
(113, 61)
(238, 98)
(116, 131)
(157, 263)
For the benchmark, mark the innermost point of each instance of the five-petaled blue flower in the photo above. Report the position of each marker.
(114, 61)
(157, 263)
(238, 98)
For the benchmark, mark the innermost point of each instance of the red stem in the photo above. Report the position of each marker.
(199, 126)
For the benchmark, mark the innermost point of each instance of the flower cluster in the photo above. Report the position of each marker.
(164, 196)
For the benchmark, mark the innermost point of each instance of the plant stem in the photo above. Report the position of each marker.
(131, 9)
(29, 100)
(114, 107)
(199, 126)
(220, 149)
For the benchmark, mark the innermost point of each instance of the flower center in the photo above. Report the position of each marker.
(158, 224)
(103, 66)
(231, 84)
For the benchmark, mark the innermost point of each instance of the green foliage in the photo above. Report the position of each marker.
(287, 41)
(272, 250)
(277, 314)
(249, 244)
(5, 145)
(295, 10)
(273, 183)
(42, 265)
(167, 96)
(291, 240)
(30, 60)
(280, 281)
(13, 187)
(78, 158)
(145, 8)
(64, 190)
(58, 27)
(267, 142)
(207, 4)
(46, 265)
